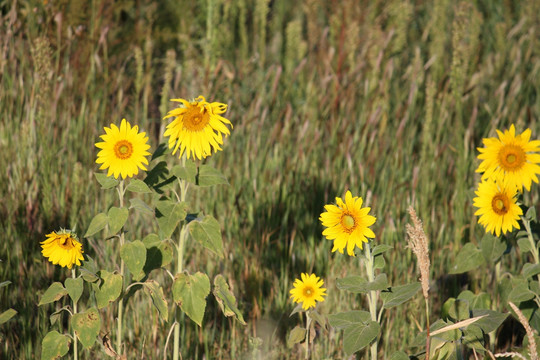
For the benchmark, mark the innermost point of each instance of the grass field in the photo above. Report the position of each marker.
(389, 99)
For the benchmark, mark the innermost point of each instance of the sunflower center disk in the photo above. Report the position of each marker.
(348, 222)
(123, 149)
(66, 243)
(308, 292)
(512, 157)
(196, 120)
(499, 203)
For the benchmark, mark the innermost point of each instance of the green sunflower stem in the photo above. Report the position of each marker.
(121, 191)
(372, 295)
(534, 248)
(180, 265)
(75, 342)
(308, 326)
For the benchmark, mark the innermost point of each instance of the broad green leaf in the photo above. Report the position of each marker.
(297, 335)
(492, 248)
(468, 258)
(117, 219)
(380, 249)
(481, 301)
(56, 315)
(399, 355)
(134, 256)
(86, 326)
(158, 253)
(6, 315)
(109, 290)
(531, 214)
(138, 186)
(98, 223)
(74, 288)
(105, 181)
(89, 270)
(358, 284)
(397, 295)
(298, 308)
(491, 322)
(55, 292)
(520, 293)
(140, 205)
(209, 176)
(226, 299)
(530, 270)
(524, 245)
(151, 240)
(457, 309)
(379, 262)
(54, 345)
(348, 318)
(208, 233)
(190, 292)
(169, 216)
(318, 318)
(188, 173)
(473, 338)
(154, 290)
(358, 336)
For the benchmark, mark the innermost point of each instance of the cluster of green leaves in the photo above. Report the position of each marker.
(155, 251)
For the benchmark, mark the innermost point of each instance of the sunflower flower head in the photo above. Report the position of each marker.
(62, 248)
(197, 128)
(308, 291)
(497, 205)
(123, 150)
(512, 156)
(347, 223)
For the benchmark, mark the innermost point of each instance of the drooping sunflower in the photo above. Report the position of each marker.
(347, 223)
(62, 248)
(497, 205)
(197, 128)
(308, 291)
(123, 151)
(511, 155)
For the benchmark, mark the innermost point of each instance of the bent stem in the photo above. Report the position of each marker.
(372, 295)
(75, 342)
(308, 326)
(121, 191)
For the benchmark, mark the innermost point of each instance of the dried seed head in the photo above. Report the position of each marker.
(418, 242)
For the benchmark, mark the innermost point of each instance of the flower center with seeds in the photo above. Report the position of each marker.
(308, 291)
(196, 119)
(66, 242)
(512, 157)
(500, 204)
(123, 149)
(348, 223)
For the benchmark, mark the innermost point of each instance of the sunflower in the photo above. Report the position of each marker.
(123, 150)
(62, 248)
(347, 223)
(197, 127)
(308, 291)
(512, 156)
(497, 206)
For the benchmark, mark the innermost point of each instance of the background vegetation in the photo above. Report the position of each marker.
(386, 98)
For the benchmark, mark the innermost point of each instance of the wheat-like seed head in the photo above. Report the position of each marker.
(418, 242)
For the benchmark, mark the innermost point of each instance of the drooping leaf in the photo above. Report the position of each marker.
(117, 219)
(7, 315)
(54, 345)
(169, 215)
(208, 233)
(190, 292)
(468, 258)
(105, 181)
(109, 290)
(140, 205)
(358, 336)
(86, 326)
(134, 255)
(209, 176)
(297, 335)
(56, 315)
(348, 318)
(154, 290)
(397, 295)
(98, 223)
(358, 284)
(74, 288)
(138, 186)
(226, 299)
(55, 292)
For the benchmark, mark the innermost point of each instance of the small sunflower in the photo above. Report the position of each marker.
(497, 206)
(197, 128)
(347, 223)
(62, 248)
(123, 150)
(512, 156)
(308, 291)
